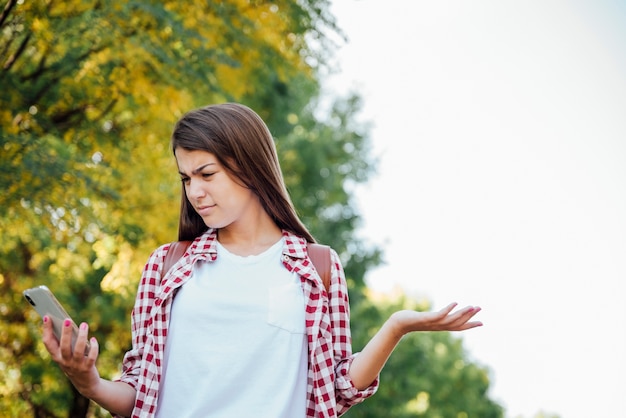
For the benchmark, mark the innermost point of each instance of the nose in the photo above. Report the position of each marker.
(194, 189)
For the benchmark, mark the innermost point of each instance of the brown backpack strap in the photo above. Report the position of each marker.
(320, 256)
(174, 253)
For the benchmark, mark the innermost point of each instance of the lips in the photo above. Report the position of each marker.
(204, 210)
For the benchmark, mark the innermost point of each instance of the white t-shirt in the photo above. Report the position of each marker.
(237, 344)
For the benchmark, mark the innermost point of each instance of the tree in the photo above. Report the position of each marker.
(88, 182)
(336, 156)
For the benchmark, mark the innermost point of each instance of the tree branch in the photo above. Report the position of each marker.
(106, 110)
(7, 46)
(62, 117)
(9, 62)
(6, 11)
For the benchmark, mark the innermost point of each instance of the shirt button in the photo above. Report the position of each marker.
(286, 257)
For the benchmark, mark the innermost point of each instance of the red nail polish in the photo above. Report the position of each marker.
(45, 319)
(67, 323)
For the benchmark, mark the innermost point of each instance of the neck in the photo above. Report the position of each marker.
(250, 239)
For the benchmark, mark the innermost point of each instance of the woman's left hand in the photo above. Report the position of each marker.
(368, 364)
(443, 320)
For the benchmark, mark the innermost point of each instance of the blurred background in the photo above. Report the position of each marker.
(449, 151)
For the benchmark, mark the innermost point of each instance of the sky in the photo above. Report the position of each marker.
(500, 129)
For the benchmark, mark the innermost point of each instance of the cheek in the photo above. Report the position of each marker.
(237, 198)
(188, 192)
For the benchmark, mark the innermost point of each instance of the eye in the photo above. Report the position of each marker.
(207, 175)
(184, 180)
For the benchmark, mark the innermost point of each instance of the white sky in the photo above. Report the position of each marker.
(501, 128)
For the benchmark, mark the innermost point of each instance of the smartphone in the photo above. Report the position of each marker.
(44, 302)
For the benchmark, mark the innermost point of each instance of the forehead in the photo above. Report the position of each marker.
(189, 161)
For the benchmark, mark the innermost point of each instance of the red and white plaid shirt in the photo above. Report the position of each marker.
(330, 391)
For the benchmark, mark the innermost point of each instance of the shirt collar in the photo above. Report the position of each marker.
(295, 246)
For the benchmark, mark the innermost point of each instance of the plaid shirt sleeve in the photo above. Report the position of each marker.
(144, 301)
(134, 362)
(346, 393)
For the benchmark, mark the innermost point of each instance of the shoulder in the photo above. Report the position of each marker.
(294, 245)
(297, 247)
(204, 243)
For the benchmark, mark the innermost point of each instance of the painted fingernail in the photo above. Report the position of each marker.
(45, 319)
(67, 322)
(93, 340)
(83, 325)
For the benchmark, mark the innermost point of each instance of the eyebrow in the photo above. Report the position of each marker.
(196, 170)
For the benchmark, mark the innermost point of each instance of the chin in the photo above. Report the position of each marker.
(214, 224)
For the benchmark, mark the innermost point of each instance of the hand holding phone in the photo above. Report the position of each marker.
(45, 303)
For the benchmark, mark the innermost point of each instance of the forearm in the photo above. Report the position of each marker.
(116, 397)
(370, 361)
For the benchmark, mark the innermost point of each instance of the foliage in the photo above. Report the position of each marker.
(89, 187)
(335, 156)
(89, 184)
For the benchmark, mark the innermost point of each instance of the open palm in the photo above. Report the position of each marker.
(442, 320)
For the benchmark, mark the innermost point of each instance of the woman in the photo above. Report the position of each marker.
(252, 331)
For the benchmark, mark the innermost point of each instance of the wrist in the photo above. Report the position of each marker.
(89, 391)
(394, 327)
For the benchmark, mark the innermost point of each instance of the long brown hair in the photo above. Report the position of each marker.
(244, 146)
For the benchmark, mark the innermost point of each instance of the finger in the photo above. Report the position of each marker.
(467, 313)
(452, 317)
(462, 318)
(49, 340)
(66, 339)
(470, 325)
(476, 310)
(441, 319)
(81, 348)
(444, 312)
(93, 351)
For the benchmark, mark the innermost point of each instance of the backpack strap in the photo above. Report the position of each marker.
(174, 253)
(320, 256)
(318, 253)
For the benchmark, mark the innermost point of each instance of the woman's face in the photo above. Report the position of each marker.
(215, 195)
